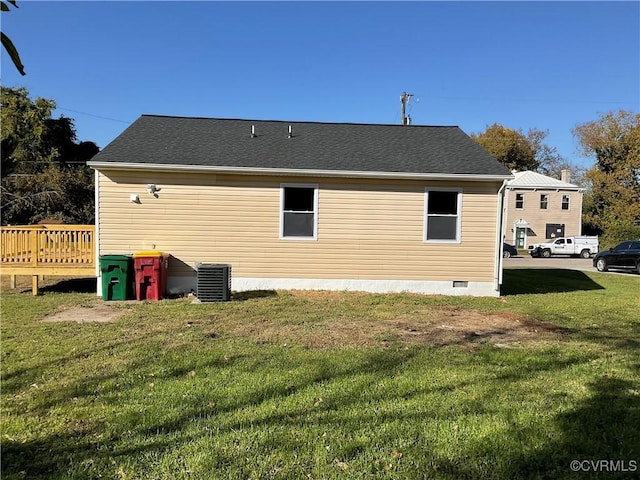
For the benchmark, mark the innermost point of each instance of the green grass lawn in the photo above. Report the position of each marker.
(305, 385)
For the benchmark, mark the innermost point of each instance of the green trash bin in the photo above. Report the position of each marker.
(117, 277)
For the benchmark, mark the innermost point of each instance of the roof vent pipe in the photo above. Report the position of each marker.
(253, 131)
(290, 134)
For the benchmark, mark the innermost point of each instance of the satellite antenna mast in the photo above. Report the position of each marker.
(405, 99)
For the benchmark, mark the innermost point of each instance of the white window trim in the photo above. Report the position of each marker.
(315, 210)
(546, 202)
(568, 202)
(458, 215)
(516, 203)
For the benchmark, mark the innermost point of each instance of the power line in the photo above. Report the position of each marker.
(537, 100)
(93, 115)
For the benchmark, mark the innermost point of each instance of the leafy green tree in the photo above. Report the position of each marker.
(512, 148)
(44, 172)
(612, 206)
(519, 151)
(23, 123)
(6, 41)
(57, 192)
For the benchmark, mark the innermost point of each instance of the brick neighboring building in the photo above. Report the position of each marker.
(540, 208)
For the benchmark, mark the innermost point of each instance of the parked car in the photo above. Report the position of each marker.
(509, 251)
(625, 256)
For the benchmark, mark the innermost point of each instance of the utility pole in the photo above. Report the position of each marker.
(405, 98)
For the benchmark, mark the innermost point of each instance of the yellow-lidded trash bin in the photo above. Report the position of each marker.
(151, 269)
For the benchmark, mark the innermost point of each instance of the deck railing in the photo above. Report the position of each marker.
(47, 250)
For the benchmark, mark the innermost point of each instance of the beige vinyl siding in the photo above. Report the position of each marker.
(538, 218)
(366, 229)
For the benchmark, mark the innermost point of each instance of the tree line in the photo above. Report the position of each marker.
(611, 206)
(44, 172)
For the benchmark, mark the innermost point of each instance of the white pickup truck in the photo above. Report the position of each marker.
(574, 246)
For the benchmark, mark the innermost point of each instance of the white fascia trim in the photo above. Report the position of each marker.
(157, 167)
(547, 187)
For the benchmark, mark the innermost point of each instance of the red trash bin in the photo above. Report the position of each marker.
(151, 274)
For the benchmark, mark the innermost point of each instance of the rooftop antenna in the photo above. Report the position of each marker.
(405, 99)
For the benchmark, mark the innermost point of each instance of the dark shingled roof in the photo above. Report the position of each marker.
(336, 147)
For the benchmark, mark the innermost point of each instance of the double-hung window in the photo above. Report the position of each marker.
(443, 209)
(519, 200)
(299, 211)
(565, 202)
(544, 201)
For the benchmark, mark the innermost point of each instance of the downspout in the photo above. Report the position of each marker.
(581, 197)
(497, 274)
(96, 233)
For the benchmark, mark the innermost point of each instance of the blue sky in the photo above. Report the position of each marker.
(546, 65)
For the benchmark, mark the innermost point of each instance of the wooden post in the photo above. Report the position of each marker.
(13, 282)
(33, 249)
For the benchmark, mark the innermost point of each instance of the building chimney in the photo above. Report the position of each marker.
(565, 175)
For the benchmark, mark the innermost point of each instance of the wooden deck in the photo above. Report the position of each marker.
(38, 250)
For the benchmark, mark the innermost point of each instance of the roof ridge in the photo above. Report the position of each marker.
(200, 142)
(312, 122)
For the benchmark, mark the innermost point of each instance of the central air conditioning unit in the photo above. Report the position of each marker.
(214, 282)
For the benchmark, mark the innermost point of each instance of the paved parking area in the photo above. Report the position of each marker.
(553, 262)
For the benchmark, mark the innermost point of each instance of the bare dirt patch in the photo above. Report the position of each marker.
(435, 326)
(99, 313)
(468, 326)
(347, 320)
